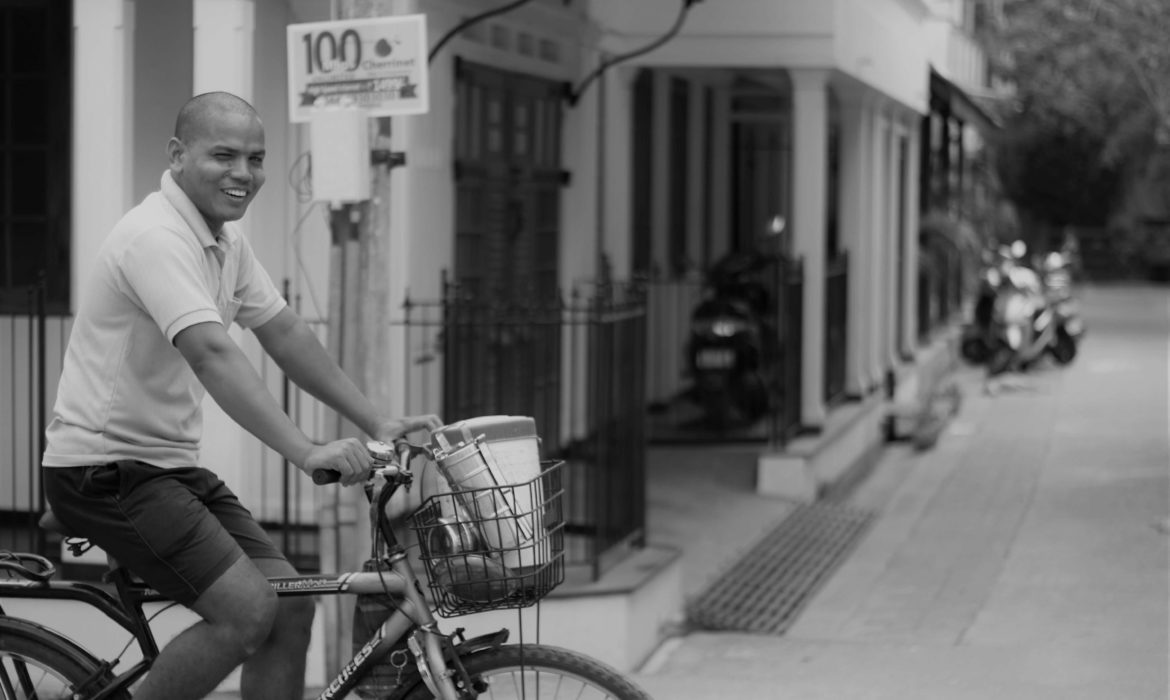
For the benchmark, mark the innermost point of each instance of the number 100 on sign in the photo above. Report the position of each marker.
(377, 64)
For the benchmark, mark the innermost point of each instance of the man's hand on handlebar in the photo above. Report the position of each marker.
(348, 457)
(395, 428)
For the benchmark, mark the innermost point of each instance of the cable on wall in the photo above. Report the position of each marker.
(473, 20)
(573, 94)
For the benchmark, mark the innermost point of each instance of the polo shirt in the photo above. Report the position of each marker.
(126, 392)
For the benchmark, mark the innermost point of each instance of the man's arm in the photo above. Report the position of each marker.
(290, 342)
(225, 372)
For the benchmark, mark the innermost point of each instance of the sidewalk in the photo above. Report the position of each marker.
(1019, 559)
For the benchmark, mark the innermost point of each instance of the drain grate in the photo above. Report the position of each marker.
(772, 582)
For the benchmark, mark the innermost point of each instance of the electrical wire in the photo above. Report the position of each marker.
(470, 21)
(308, 282)
(574, 94)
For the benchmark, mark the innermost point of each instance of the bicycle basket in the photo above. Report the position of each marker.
(493, 548)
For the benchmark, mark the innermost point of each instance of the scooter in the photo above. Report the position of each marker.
(1024, 331)
(733, 346)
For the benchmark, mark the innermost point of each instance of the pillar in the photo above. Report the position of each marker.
(223, 46)
(878, 234)
(103, 146)
(893, 234)
(910, 269)
(855, 233)
(810, 111)
(614, 183)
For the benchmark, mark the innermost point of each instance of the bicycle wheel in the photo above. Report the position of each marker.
(36, 664)
(537, 672)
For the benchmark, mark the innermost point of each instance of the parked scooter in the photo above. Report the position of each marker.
(1027, 325)
(733, 345)
(1008, 292)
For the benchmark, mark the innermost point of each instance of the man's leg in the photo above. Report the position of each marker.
(238, 612)
(277, 670)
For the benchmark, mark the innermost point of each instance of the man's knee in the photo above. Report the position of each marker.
(295, 614)
(254, 625)
(242, 604)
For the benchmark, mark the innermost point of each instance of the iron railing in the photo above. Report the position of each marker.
(836, 327)
(577, 367)
(31, 346)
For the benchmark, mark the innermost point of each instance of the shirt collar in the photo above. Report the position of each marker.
(190, 213)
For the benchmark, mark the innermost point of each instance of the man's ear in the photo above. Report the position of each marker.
(175, 151)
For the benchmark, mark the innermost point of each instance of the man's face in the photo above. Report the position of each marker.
(221, 167)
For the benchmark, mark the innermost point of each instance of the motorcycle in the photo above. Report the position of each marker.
(1027, 325)
(733, 346)
(1021, 316)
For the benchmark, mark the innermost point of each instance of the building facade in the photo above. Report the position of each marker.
(568, 144)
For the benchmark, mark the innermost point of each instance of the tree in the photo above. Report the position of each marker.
(1092, 102)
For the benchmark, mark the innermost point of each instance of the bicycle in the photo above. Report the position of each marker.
(505, 554)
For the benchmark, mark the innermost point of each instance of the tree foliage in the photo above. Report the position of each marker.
(1092, 100)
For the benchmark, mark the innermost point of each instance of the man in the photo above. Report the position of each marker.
(150, 336)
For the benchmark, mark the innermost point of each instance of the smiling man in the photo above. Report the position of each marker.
(149, 338)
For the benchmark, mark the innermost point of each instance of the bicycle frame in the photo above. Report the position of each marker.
(397, 580)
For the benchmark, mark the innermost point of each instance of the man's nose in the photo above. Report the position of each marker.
(241, 169)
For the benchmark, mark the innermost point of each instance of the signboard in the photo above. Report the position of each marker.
(378, 64)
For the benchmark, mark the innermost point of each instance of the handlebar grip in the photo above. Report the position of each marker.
(382, 454)
(326, 476)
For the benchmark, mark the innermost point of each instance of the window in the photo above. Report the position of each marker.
(34, 152)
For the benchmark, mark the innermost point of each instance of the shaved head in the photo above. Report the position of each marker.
(217, 156)
(202, 110)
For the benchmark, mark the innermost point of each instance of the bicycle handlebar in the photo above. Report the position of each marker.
(389, 460)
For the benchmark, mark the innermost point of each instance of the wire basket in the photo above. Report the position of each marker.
(493, 548)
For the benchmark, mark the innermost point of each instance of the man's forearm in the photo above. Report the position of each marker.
(306, 362)
(237, 388)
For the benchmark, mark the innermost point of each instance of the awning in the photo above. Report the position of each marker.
(959, 104)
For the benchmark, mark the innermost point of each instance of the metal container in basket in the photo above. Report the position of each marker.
(495, 547)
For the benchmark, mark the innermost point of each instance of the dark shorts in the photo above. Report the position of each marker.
(178, 529)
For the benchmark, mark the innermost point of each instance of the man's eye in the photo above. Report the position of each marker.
(223, 156)
(257, 160)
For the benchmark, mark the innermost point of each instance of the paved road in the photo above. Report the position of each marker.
(1020, 559)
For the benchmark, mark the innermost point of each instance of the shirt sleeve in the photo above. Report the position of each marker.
(258, 296)
(164, 276)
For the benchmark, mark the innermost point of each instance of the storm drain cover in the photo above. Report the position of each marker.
(766, 589)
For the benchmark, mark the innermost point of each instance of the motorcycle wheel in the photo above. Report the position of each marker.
(1000, 358)
(750, 396)
(1064, 350)
(974, 350)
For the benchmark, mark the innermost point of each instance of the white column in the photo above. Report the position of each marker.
(223, 46)
(223, 61)
(810, 145)
(893, 234)
(103, 146)
(855, 230)
(615, 181)
(910, 273)
(878, 233)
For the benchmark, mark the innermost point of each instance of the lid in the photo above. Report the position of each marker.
(490, 427)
